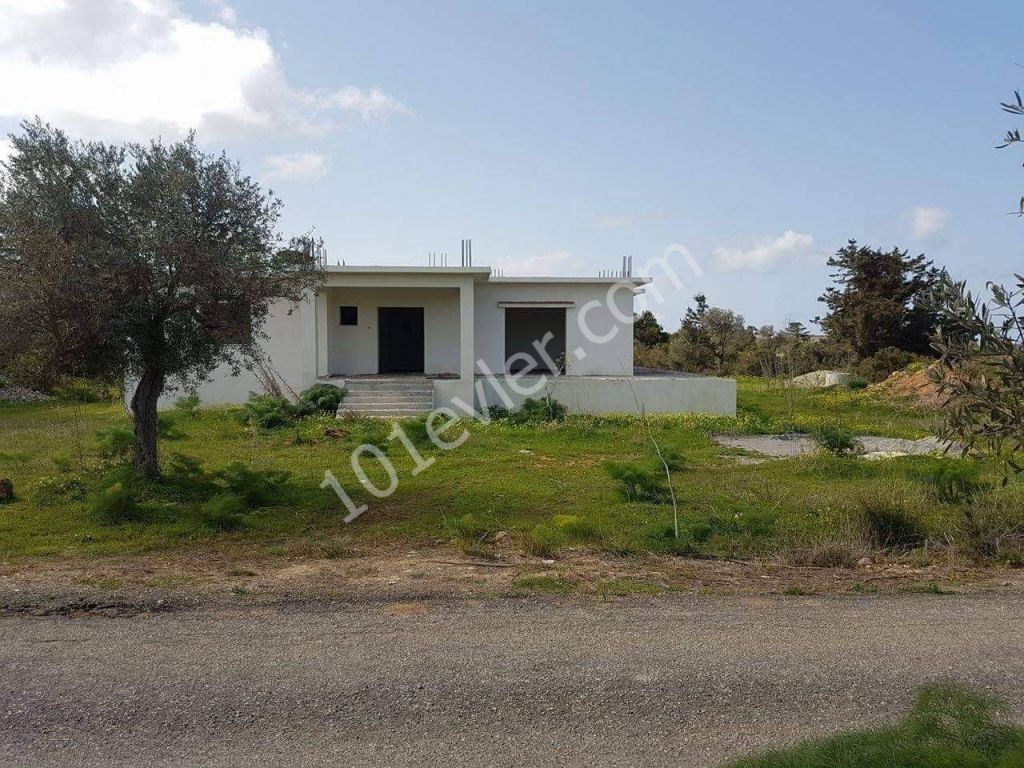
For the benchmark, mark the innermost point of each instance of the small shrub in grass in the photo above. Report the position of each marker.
(84, 391)
(115, 442)
(576, 528)
(167, 426)
(468, 527)
(269, 412)
(116, 498)
(256, 487)
(53, 489)
(323, 397)
(544, 540)
(888, 524)
(497, 412)
(835, 439)
(637, 483)
(949, 726)
(187, 406)
(224, 512)
(539, 411)
(994, 530)
(6, 490)
(956, 481)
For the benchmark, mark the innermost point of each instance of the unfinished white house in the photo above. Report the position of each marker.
(404, 340)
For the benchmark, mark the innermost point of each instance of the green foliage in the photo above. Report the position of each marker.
(638, 483)
(256, 488)
(880, 300)
(6, 490)
(948, 727)
(956, 481)
(888, 524)
(115, 442)
(538, 411)
(577, 528)
(469, 527)
(647, 331)
(223, 512)
(270, 412)
(324, 397)
(884, 362)
(981, 368)
(84, 390)
(188, 405)
(836, 439)
(543, 540)
(116, 497)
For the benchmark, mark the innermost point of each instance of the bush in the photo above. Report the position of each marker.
(835, 439)
(115, 442)
(956, 481)
(224, 512)
(469, 527)
(6, 490)
(538, 411)
(576, 528)
(887, 523)
(255, 487)
(884, 362)
(117, 495)
(543, 541)
(994, 530)
(187, 405)
(324, 397)
(638, 483)
(84, 391)
(267, 411)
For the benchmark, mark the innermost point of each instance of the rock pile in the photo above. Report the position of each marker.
(21, 395)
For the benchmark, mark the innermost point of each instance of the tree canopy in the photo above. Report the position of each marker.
(156, 262)
(880, 300)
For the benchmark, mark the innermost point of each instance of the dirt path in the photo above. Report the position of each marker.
(669, 680)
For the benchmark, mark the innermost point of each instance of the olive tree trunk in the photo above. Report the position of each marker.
(143, 406)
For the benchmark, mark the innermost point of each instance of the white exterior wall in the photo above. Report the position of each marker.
(352, 349)
(283, 350)
(611, 357)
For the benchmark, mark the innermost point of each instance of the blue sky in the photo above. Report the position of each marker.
(560, 136)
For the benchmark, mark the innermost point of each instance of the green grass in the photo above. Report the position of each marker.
(948, 727)
(546, 485)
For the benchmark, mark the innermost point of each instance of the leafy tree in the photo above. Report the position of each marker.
(165, 258)
(879, 300)
(981, 367)
(796, 330)
(1015, 107)
(647, 331)
(710, 338)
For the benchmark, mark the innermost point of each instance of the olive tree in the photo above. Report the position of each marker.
(156, 262)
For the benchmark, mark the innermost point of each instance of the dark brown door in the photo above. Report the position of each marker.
(400, 339)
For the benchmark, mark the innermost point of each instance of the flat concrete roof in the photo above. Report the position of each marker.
(477, 272)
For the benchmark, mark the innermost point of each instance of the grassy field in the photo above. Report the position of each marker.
(547, 485)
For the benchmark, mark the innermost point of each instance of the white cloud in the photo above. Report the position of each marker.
(926, 223)
(549, 264)
(765, 252)
(134, 68)
(301, 165)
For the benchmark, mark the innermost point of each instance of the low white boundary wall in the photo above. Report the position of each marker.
(605, 394)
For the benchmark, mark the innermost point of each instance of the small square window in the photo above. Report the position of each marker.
(349, 316)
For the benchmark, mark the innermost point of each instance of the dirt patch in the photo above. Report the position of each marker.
(406, 581)
(913, 387)
(787, 446)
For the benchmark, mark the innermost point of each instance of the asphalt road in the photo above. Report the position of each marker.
(664, 681)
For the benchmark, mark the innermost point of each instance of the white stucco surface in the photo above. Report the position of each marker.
(352, 349)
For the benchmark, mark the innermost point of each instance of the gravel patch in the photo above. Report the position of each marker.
(787, 446)
(21, 395)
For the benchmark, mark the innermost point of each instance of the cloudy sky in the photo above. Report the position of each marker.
(561, 136)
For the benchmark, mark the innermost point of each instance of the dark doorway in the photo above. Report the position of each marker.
(523, 327)
(400, 339)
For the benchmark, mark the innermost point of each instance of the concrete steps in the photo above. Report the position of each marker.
(387, 397)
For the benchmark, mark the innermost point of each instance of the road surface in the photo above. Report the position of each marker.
(654, 681)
